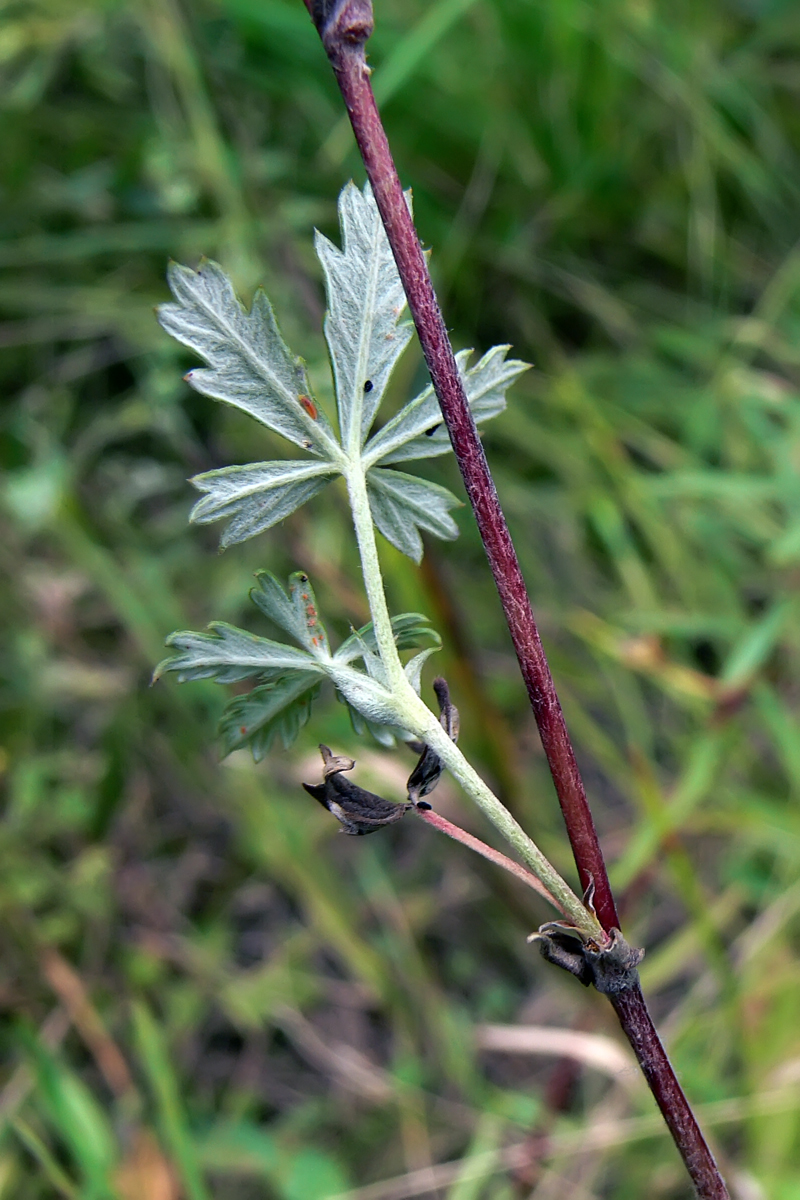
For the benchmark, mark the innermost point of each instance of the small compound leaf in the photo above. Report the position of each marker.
(418, 430)
(249, 364)
(296, 613)
(255, 497)
(277, 709)
(228, 654)
(408, 628)
(403, 504)
(365, 302)
(421, 417)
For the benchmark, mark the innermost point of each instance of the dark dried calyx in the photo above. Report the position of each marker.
(358, 810)
(427, 773)
(611, 968)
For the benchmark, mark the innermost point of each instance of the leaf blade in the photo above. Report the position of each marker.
(413, 668)
(418, 431)
(228, 655)
(365, 301)
(277, 709)
(249, 365)
(297, 613)
(166, 1090)
(402, 505)
(256, 496)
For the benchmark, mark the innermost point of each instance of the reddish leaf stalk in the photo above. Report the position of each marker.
(494, 856)
(344, 26)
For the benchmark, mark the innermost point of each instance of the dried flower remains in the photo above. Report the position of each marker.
(427, 773)
(358, 810)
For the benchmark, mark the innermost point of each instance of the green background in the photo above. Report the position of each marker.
(205, 991)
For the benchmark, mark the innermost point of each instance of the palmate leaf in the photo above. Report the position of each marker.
(403, 504)
(288, 679)
(365, 302)
(251, 368)
(277, 709)
(228, 654)
(256, 496)
(418, 431)
(249, 365)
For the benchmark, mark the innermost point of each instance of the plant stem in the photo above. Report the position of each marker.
(414, 714)
(373, 580)
(634, 1017)
(344, 26)
(465, 774)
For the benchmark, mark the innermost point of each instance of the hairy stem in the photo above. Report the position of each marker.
(469, 779)
(414, 714)
(373, 580)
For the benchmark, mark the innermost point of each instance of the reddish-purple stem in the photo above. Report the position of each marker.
(637, 1024)
(344, 26)
(501, 860)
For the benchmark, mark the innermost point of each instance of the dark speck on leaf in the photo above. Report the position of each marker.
(368, 386)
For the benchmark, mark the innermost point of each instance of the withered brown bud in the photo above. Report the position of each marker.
(427, 773)
(358, 810)
(610, 968)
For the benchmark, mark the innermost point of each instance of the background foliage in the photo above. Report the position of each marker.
(204, 991)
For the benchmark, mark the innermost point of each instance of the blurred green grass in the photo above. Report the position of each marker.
(204, 992)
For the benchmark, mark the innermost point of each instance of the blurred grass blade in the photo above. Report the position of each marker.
(701, 772)
(175, 1130)
(75, 1116)
(757, 644)
(486, 1138)
(50, 1168)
